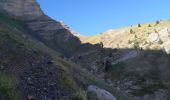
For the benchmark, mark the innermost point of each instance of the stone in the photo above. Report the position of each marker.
(30, 97)
(2, 67)
(101, 93)
(153, 37)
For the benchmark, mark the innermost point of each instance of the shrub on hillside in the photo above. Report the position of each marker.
(139, 25)
(160, 41)
(157, 22)
(149, 25)
(131, 31)
(107, 65)
(79, 96)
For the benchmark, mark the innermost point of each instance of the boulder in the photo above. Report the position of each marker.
(153, 37)
(101, 93)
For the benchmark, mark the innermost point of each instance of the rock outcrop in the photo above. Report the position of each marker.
(25, 9)
(53, 33)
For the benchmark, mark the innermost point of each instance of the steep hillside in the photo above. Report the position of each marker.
(32, 65)
(42, 59)
(52, 33)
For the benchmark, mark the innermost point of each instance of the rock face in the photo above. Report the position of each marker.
(53, 33)
(26, 9)
(101, 93)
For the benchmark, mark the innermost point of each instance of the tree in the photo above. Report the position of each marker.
(101, 44)
(149, 25)
(107, 65)
(157, 22)
(131, 31)
(139, 25)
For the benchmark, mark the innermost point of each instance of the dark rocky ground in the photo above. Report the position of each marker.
(42, 82)
(37, 77)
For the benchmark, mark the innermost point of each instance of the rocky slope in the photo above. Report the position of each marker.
(42, 59)
(52, 33)
(135, 59)
(33, 65)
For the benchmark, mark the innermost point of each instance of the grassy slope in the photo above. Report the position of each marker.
(73, 72)
(120, 38)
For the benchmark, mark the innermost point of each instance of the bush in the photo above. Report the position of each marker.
(139, 25)
(80, 95)
(160, 42)
(92, 96)
(157, 22)
(7, 87)
(149, 25)
(131, 31)
(136, 45)
(107, 65)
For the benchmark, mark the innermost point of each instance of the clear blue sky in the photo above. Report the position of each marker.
(90, 17)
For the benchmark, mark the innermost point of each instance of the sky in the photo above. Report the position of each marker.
(91, 17)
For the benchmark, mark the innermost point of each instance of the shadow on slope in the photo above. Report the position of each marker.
(136, 71)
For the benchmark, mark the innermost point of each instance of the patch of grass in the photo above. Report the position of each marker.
(150, 89)
(92, 96)
(79, 95)
(69, 82)
(10, 21)
(7, 86)
(117, 69)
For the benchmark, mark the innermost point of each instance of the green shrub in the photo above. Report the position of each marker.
(149, 25)
(139, 25)
(157, 22)
(131, 31)
(7, 86)
(129, 41)
(80, 95)
(92, 96)
(160, 42)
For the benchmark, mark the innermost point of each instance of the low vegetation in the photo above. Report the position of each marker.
(8, 86)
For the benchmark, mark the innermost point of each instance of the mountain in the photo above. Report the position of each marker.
(35, 58)
(43, 59)
(148, 36)
(135, 59)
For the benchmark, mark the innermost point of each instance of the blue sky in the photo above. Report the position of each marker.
(90, 17)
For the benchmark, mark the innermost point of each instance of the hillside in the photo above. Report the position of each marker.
(152, 36)
(134, 59)
(35, 67)
(43, 59)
